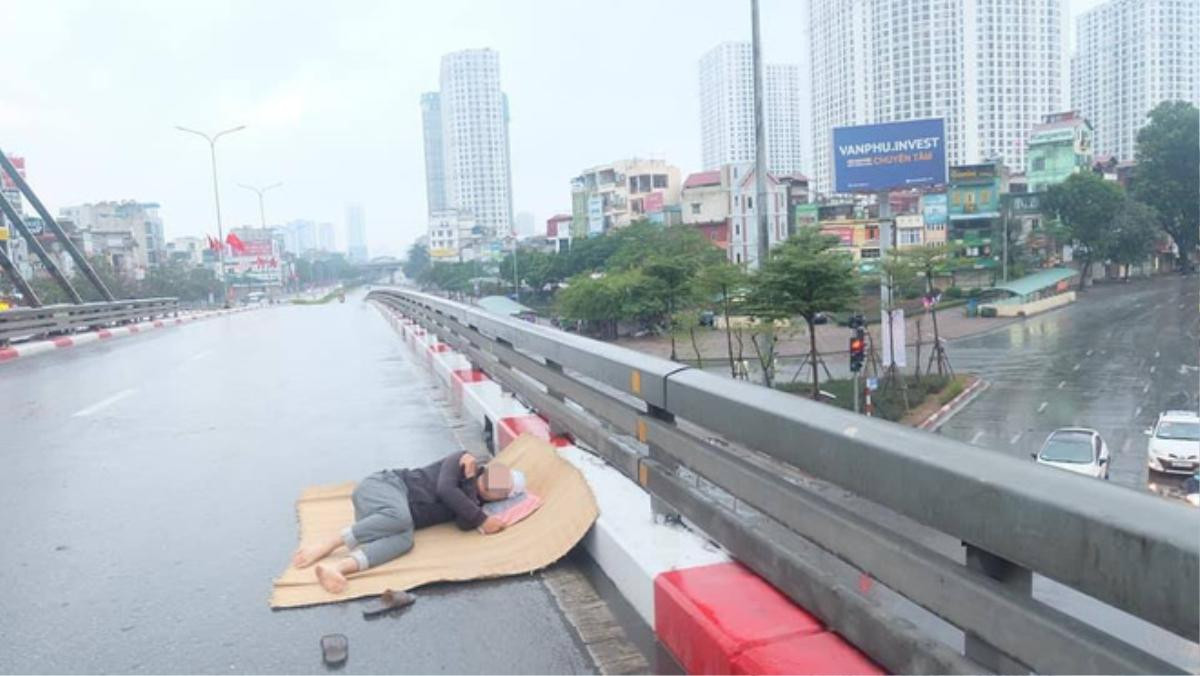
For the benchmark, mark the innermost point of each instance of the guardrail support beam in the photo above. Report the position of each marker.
(1016, 578)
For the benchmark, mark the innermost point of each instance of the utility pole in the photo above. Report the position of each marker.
(212, 148)
(760, 144)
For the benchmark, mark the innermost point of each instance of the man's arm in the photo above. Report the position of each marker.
(468, 513)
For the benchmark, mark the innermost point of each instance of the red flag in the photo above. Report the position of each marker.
(213, 244)
(236, 243)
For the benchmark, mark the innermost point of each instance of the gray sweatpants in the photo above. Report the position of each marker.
(383, 524)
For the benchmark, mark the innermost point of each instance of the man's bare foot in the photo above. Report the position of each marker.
(331, 578)
(307, 555)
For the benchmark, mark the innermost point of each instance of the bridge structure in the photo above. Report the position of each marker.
(787, 486)
(916, 552)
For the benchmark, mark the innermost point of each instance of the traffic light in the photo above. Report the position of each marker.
(858, 348)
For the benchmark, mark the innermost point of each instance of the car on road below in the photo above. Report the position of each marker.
(1075, 449)
(1174, 446)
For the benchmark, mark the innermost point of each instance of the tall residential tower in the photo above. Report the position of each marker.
(1131, 55)
(475, 175)
(727, 109)
(991, 68)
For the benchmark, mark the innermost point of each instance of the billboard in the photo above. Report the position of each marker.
(807, 215)
(257, 264)
(973, 172)
(845, 235)
(595, 215)
(934, 209)
(877, 157)
(653, 203)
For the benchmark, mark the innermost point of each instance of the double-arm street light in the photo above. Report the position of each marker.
(212, 147)
(262, 214)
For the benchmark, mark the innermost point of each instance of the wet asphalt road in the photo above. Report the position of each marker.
(148, 492)
(1112, 361)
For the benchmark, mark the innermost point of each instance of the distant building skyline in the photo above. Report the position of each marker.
(1131, 55)
(991, 68)
(356, 233)
(726, 82)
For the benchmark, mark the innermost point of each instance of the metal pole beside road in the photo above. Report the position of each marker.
(212, 147)
(760, 144)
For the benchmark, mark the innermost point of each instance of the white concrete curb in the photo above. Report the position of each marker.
(943, 414)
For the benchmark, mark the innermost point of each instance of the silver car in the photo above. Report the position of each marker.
(1075, 449)
(1174, 446)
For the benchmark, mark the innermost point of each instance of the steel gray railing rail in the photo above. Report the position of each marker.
(24, 323)
(1136, 552)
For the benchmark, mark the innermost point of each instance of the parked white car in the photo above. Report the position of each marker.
(1174, 446)
(1075, 449)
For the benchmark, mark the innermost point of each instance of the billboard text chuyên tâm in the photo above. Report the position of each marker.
(891, 156)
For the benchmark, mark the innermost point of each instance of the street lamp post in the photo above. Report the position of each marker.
(212, 147)
(262, 214)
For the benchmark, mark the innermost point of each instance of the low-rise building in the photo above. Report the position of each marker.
(1058, 147)
(705, 205)
(558, 233)
(139, 219)
(187, 250)
(974, 210)
(455, 237)
(744, 236)
(616, 194)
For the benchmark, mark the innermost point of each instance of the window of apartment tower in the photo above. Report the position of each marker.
(660, 180)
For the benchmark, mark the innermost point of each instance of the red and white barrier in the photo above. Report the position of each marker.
(713, 614)
(30, 349)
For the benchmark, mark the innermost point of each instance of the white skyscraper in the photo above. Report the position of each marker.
(727, 109)
(991, 68)
(356, 234)
(475, 152)
(1131, 55)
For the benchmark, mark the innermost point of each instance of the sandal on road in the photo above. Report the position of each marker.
(389, 600)
(335, 648)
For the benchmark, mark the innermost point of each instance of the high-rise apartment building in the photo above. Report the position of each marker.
(435, 167)
(326, 237)
(1131, 55)
(356, 234)
(727, 109)
(990, 68)
(476, 175)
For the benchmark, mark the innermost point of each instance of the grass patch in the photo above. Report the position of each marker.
(889, 398)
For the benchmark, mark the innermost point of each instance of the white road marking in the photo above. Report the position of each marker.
(199, 355)
(1184, 368)
(103, 403)
(1137, 411)
(1089, 353)
(1042, 406)
(1146, 388)
(978, 433)
(1075, 367)
(1152, 368)
(1062, 384)
(1156, 353)
(1013, 440)
(1126, 445)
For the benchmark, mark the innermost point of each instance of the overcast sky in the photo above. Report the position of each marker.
(330, 94)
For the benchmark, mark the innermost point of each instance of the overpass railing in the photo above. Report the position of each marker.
(23, 323)
(1133, 551)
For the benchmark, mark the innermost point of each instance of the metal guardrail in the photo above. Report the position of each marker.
(1133, 551)
(24, 323)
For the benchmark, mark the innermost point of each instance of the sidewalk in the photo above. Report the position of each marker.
(831, 339)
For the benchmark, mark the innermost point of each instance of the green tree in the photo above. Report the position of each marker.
(728, 283)
(805, 275)
(1167, 175)
(927, 262)
(417, 261)
(1086, 203)
(1134, 233)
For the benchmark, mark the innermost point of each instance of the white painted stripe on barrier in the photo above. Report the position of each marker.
(40, 347)
(85, 338)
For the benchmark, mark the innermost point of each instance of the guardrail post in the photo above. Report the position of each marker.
(1016, 578)
(658, 508)
(556, 429)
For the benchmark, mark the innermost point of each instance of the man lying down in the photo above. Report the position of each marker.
(390, 504)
